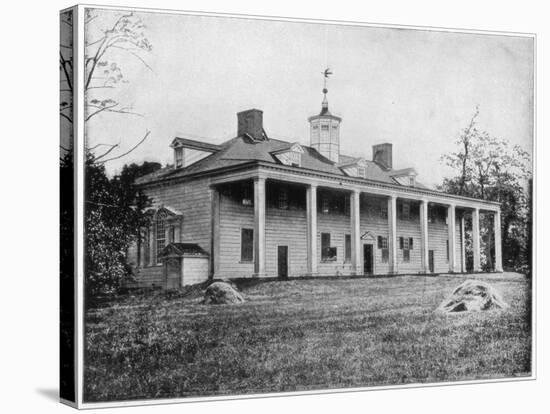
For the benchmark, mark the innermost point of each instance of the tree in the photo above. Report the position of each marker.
(114, 209)
(115, 213)
(490, 169)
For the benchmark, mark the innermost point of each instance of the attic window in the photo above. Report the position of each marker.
(179, 157)
(412, 180)
(361, 172)
(294, 158)
(324, 127)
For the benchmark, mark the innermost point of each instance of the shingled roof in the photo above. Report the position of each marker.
(243, 150)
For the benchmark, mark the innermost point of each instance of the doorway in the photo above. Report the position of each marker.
(282, 262)
(431, 260)
(368, 259)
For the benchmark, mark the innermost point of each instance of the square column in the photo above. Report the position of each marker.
(498, 242)
(475, 240)
(355, 232)
(259, 227)
(311, 202)
(392, 233)
(215, 224)
(462, 243)
(451, 226)
(424, 236)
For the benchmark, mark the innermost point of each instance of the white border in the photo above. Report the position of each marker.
(79, 197)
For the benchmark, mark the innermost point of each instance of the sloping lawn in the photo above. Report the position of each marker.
(303, 335)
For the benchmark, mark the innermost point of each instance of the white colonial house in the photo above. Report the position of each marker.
(255, 206)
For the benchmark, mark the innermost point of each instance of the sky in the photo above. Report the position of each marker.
(414, 88)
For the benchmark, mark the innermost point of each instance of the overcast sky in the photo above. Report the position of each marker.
(415, 89)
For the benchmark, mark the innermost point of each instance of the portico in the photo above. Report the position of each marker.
(394, 238)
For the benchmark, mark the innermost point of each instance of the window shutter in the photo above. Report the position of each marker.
(379, 242)
(401, 242)
(410, 243)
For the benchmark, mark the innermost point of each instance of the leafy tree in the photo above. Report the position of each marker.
(490, 169)
(115, 213)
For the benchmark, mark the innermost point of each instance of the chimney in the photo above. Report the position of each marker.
(251, 122)
(382, 155)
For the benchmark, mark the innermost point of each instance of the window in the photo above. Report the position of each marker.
(247, 245)
(327, 252)
(411, 180)
(315, 126)
(161, 232)
(361, 172)
(172, 234)
(405, 211)
(325, 207)
(294, 158)
(383, 245)
(447, 251)
(384, 211)
(246, 191)
(347, 248)
(406, 244)
(431, 215)
(179, 157)
(347, 206)
(282, 199)
(324, 127)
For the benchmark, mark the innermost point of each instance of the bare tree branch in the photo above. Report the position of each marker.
(106, 152)
(129, 151)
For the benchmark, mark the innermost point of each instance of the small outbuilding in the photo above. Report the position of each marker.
(184, 264)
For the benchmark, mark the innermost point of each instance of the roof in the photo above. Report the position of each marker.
(243, 150)
(180, 249)
(191, 143)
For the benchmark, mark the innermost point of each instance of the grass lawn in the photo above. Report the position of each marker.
(303, 335)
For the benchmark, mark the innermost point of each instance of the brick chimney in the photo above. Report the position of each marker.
(251, 122)
(382, 155)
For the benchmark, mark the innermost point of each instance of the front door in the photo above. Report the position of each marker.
(431, 260)
(368, 261)
(282, 261)
(172, 268)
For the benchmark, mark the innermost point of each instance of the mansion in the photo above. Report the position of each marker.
(255, 206)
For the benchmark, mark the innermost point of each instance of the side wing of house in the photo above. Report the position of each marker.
(181, 213)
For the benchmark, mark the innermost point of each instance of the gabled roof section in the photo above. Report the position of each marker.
(181, 249)
(295, 147)
(194, 144)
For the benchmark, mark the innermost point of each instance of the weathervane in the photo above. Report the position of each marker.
(326, 73)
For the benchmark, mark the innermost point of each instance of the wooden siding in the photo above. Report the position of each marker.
(338, 225)
(410, 228)
(234, 216)
(376, 225)
(286, 228)
(195, 270)
(193, 200)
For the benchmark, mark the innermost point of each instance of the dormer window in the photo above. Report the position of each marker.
(291, 156)
(179, 157)
(294, 158)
